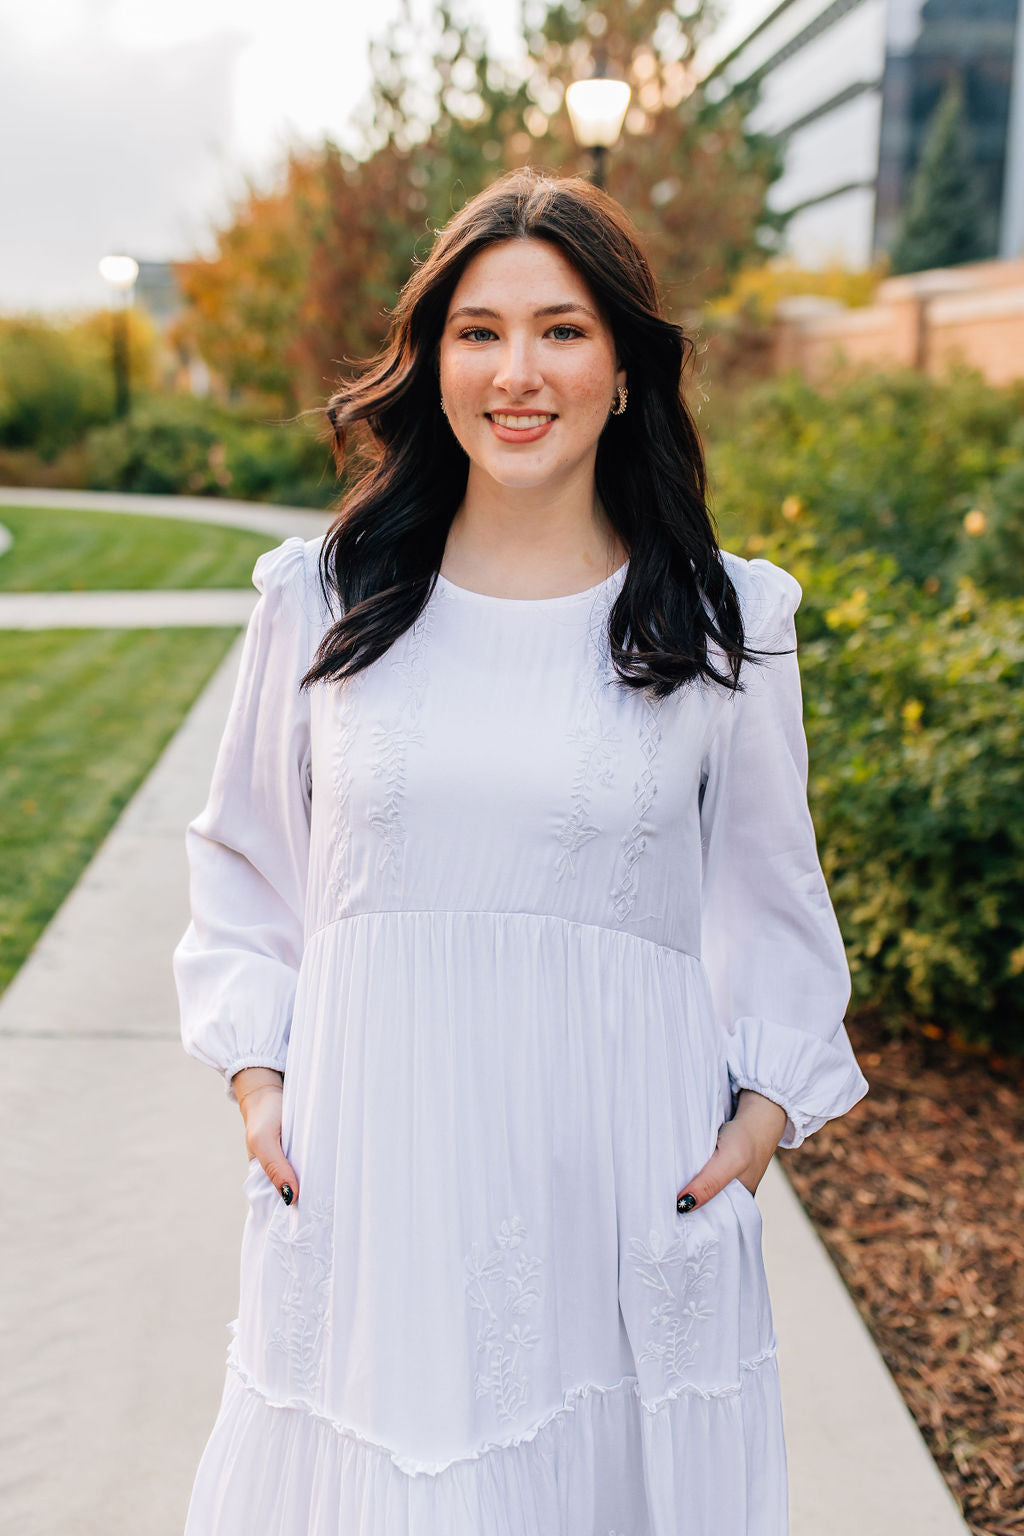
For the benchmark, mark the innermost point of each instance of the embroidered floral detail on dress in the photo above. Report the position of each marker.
(305, 1249)
(391, 741)
(644, 791)
(392, 738)
(501, 1288)
(680, 1272)
(598, 745)
(598, 752)
(340, 875)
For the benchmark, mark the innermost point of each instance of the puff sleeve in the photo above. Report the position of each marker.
(236, 966)
(771, 943)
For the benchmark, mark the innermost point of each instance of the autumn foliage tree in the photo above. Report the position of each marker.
(243, 304)
(313, 265)
(304, 274)
(692, 176)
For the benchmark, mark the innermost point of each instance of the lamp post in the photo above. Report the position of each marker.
(597, 108)
(120, 272)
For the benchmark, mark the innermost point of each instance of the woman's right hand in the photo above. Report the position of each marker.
(259, 1091)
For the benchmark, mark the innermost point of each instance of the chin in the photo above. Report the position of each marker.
(523, 480)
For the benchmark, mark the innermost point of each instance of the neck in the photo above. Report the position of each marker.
(531, 537)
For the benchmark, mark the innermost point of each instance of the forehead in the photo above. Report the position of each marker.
(514, 274)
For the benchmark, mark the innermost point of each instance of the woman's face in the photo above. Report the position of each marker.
(517, 361)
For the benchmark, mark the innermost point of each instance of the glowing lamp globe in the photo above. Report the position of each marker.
(119, 271)
(597, 108)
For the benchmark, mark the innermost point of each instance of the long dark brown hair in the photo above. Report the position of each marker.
(379, 559)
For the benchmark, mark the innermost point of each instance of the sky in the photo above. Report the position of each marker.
(131, 125)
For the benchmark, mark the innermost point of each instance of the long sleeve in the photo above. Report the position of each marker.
(771, 942)
(236, 966)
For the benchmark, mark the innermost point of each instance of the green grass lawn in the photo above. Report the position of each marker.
(84, 714)
(67, 551)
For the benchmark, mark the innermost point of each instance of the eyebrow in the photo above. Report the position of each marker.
(568, 307)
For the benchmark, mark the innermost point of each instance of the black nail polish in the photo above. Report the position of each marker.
(286, 1194)
(685, 1203)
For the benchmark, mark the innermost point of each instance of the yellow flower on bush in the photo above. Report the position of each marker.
(792, 508)
(975, 522)
(911, 712)
(850, 613)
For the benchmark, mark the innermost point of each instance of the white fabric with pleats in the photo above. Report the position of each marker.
(515, 935)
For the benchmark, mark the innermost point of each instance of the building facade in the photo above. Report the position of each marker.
(848, 87)
(157, 291)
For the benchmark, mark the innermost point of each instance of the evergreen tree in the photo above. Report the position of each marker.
(942, 221)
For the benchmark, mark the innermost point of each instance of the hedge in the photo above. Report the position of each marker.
(912, 660)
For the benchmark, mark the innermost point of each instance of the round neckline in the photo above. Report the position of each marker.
(531, 602)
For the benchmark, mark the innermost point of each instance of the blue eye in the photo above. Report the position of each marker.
(483, 330)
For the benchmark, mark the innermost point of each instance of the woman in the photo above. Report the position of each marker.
(510, 937)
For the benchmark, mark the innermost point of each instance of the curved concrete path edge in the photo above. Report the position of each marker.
(260, 517)
(152, 609)
(123, 1195)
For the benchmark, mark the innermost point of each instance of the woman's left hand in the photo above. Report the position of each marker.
(746, 1145)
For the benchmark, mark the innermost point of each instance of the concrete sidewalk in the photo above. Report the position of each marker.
(127, 610)
(123, 1211)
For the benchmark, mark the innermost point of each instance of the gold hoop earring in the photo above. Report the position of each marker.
(443, 411)
(622, 395)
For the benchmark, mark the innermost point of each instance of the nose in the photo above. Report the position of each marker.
(518, 371)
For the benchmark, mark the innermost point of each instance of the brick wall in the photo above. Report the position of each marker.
(973, 313)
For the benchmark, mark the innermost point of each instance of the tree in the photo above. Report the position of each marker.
(942, 224)
(242, 304)
(428, 145)
(56, 376)
(691, 175)
(304, 274)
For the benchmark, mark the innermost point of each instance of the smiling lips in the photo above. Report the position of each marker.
(505, 419)
(520, 429)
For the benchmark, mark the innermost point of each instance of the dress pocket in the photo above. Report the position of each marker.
(744, 1198)
(255, 1179)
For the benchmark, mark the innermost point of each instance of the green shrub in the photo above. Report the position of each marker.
(179, 445)
(883, 461)
(917, 746)
(991, 541)
(898, 503)
(56, 379)
(282, 462)
(58, 428)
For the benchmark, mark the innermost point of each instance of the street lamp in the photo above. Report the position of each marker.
(120, 272)
(596, 110)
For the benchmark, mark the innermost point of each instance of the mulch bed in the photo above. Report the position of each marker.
(918, 1194)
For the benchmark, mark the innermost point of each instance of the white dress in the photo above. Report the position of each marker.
(515, 935)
